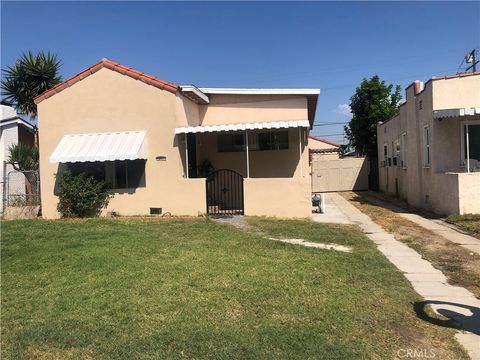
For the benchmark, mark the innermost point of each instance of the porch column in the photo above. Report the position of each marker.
(186, 155)
(248, 156)
(468, 146)
(300, 150)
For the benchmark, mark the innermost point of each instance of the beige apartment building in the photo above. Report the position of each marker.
(178, 149)
(429, 154)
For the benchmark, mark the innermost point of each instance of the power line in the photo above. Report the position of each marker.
(331, 123)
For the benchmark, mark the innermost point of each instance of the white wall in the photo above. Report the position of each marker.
(9, 136)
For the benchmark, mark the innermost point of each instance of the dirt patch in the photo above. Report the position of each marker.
(459, 265)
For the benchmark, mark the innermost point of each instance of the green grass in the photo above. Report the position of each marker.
(468, 222)
(133, 289)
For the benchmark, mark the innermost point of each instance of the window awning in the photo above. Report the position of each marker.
(129, 145)
(440, 114)
(244, 126)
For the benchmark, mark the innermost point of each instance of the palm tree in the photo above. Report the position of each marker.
(23, 157)
(29, 77)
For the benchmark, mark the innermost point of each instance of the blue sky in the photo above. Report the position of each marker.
(326, 45)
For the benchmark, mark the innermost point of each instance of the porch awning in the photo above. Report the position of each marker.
(440, 114)
(129, 145)
(244, 126)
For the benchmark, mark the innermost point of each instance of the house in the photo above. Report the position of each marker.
(319, 148)
(13, 130)
(429, 154)
(164, 148)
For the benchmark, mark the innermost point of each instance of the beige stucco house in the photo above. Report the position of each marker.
(155, 143)
(429, 154)
(322, 149)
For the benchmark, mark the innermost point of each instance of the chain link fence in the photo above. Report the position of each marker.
(22, 188)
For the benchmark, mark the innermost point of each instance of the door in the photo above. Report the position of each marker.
(225, 193)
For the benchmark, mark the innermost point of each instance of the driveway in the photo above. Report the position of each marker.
(453, 302)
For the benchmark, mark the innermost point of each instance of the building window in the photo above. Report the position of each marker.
(426, 145)
(125, 174)
(403, 150)
(272, 140)
(473, 140)
(231, 142)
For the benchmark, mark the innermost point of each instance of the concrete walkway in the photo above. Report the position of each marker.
(449, 301)
(436, 226)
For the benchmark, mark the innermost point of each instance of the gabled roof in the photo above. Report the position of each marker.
(104, 63)
(324, 140)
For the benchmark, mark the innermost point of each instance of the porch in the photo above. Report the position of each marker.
(456, 161)
(250, 168)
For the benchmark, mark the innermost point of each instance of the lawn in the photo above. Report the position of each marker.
(133, 289)
(469, 223)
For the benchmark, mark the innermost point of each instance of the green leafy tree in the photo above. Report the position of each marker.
(372, 102)
(23, 157)
(29, 77)
(81, 195)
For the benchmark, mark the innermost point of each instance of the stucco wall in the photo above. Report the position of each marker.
(458, 92)
(232, 109)
(108, 101)
(278, 197)
(469, 193)
(427, 186)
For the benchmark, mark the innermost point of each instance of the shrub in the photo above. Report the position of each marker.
(81, 195)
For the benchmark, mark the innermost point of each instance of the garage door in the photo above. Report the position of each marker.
(339, 175)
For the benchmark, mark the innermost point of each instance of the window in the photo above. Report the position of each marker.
(272, 140)
(426, 145)
(473, 140)
(125, 174)
(397, 159)
(403, 150)
(385, 155)
(231, 142)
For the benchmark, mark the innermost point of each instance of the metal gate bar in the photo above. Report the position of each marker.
(224, 191)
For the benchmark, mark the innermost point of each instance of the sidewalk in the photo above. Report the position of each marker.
(436, 226)
(450, 301)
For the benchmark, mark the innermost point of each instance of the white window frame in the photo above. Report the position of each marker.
(427, 154)
(403, 150)
(385, 153)
(463, 157)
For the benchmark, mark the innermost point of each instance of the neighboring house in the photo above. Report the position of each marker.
(423, 152)
(323, 149)
(154, 142)
(13, 130)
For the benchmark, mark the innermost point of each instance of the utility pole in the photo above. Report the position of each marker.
(472, 58)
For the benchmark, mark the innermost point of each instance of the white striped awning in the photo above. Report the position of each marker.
(244, 126)
(128, 145)
(440, 114)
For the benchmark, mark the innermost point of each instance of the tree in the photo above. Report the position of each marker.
(29, 77)
(372, 102)
(23, 157)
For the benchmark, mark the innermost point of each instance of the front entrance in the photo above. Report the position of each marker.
(225, 193)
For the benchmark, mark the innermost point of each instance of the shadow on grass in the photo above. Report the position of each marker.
(455, 320)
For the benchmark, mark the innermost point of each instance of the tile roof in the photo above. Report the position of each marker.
(324, 140)
(104, 63)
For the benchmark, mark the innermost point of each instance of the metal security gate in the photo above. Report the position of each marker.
(225, 193)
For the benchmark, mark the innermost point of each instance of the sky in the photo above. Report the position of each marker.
(326, 45)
